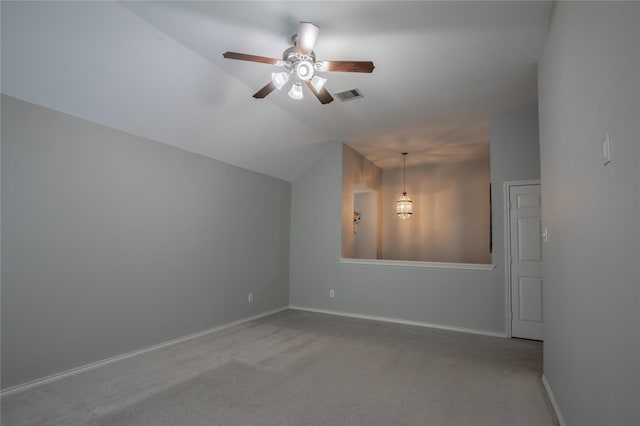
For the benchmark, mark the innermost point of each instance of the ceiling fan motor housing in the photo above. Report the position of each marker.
(303, 70)
(302, 65)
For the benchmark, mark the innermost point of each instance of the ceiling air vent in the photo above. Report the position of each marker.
(349, 95)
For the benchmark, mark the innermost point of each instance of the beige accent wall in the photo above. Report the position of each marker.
(450, 221)
(358, 173)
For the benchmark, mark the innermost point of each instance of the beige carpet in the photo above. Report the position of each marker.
(300, 368)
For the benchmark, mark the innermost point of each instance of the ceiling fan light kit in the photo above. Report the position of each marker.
(296, 91)
(300, 61)
(279, 79)
(318, 82)
(304, 70)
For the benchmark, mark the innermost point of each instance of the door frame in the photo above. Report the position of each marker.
(506, 196)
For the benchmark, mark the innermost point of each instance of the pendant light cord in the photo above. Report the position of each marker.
(404, 173)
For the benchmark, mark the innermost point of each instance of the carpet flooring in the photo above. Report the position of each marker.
(302, 368)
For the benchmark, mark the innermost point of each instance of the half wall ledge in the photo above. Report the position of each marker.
(414, 264)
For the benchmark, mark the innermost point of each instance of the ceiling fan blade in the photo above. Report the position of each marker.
(307, 35)
(251, 58)
(347, 66)
(323, 95)
(270, 87)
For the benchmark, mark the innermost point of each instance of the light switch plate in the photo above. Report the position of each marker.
(606, 150)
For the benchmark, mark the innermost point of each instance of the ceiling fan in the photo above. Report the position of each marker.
(299, 62)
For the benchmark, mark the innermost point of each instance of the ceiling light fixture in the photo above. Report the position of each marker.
(300, 60)
(304, 70)
(404, 205)
(296, 91)
(318, 82)
(279, 79)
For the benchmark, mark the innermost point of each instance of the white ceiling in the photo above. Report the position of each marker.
(155, 69)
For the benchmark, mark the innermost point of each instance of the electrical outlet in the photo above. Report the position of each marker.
(332, 293)
(250, 298)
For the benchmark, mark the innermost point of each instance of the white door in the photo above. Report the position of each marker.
(525, 224)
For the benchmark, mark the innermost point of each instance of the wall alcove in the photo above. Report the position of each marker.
(451, 220)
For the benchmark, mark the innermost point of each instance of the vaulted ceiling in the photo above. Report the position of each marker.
(155, 69)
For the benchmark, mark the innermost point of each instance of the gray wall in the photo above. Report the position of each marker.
(451, 298)
(111, 242)
(588, 85)
(515, 155)
(468, 299)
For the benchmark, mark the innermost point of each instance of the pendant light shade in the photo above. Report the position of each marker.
(404, 205)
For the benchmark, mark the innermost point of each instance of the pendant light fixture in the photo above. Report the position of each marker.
(404, 205)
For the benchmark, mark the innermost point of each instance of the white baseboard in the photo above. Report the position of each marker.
(554, 403)
(400, 321)
(97, 364)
